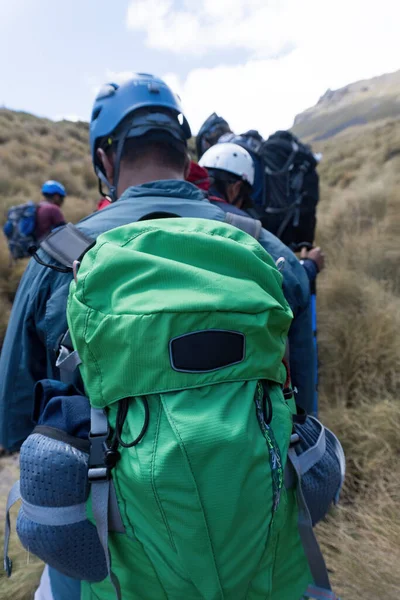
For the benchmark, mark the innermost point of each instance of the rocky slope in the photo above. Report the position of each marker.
(353, 105)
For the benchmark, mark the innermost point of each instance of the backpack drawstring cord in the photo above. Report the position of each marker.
(123, 406)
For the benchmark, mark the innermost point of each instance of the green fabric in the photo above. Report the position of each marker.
(143, 284)
(202, 496)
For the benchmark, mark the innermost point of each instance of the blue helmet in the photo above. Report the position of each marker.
(51, 187)
(116, 116)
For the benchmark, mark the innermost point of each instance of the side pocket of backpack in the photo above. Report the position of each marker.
(321, 466)
(52, 522)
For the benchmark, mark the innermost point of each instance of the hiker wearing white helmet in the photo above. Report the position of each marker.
(232, 174)
(231, 171)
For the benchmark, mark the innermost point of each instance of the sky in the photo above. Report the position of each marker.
(257, 63)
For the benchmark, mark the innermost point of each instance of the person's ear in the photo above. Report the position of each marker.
(234, 193)
(107, 164)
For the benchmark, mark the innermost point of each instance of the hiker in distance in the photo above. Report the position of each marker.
(49, 214)
(28, 224)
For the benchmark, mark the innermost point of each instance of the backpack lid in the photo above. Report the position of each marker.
(146, 284)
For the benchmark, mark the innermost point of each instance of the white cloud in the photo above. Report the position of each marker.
(117, 76)
(204, 25)
(267, 94)
(293, 50)
(263, 27)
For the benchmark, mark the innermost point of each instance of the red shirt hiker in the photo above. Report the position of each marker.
(48, 216)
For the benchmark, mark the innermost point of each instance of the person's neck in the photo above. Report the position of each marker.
(146, 174)
(216, 194)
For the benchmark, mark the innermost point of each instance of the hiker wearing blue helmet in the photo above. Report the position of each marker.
(155, 119)
(138, 140)
(54, 190)
(49, 214)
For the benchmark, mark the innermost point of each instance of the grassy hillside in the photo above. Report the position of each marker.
(359, 336)
(356, 104)
(359, 327)
(31, 151)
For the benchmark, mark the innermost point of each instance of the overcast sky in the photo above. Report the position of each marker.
(256, 62)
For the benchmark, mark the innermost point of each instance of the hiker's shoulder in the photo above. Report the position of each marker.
(274, 246)
(49, 210)
(179, 197)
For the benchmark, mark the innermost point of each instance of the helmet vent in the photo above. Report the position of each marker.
(96, 113)
(107, 90)
(153, 87)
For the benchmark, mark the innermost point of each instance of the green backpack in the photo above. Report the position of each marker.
(180, 326)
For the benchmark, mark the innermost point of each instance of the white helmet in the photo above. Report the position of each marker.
(231, 158)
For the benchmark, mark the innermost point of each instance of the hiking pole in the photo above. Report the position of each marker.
(313, 302)
(313, 299)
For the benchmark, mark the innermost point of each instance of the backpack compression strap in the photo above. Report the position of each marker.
(251, 226)
(101, 485)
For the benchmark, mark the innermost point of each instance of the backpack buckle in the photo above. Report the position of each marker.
(288, 393)
(97, 474)
(75, 268)
(294, 439)
(98, 436)
(98, 449)
(8, 566)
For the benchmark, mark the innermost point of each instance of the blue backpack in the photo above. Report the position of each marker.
(19, 229)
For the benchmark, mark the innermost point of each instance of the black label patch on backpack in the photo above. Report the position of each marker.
(207, 350)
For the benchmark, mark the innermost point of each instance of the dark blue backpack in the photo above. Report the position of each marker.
(19, 229)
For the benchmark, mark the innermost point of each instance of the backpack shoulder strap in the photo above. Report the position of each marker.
(66, 244)
(295, 468)
(251, 226)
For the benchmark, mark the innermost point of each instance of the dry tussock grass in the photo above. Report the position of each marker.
(359, 325)
(31, 151)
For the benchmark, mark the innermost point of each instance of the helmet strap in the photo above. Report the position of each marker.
(103, 179)
(117, 162)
